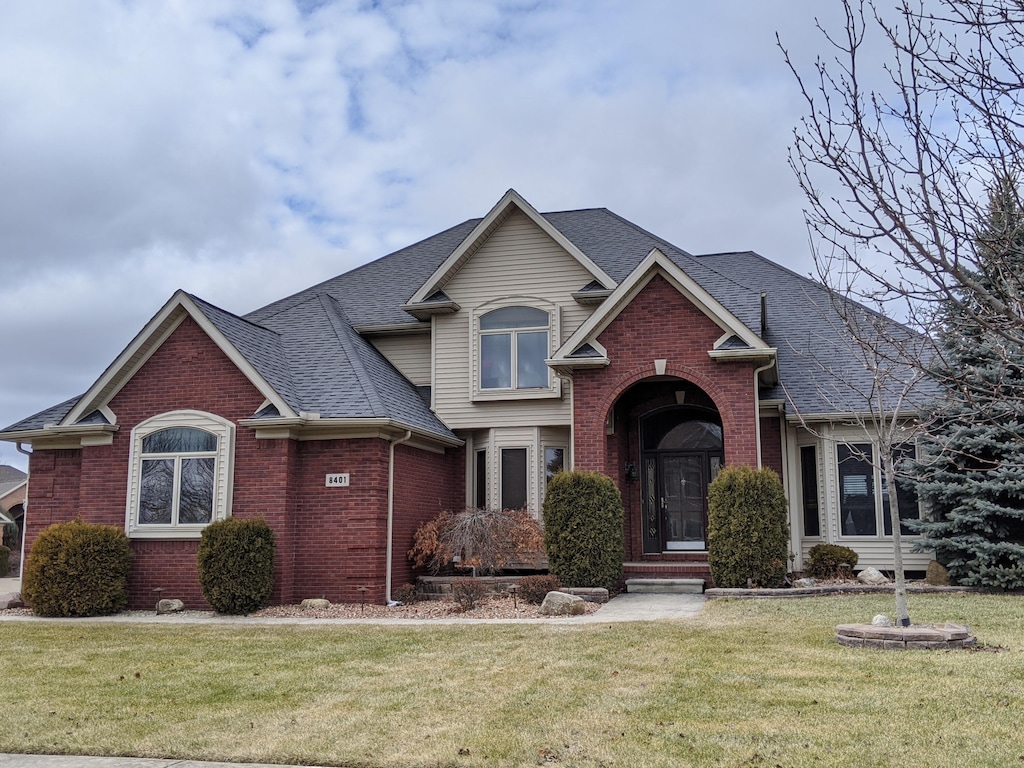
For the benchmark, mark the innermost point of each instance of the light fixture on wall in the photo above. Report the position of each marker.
(631, 471)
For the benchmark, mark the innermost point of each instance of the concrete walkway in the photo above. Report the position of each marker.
(624, 607)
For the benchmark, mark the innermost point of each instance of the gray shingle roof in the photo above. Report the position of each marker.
(305, 347)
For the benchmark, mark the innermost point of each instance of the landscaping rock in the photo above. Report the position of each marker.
(170, 606)
(805, 583)
(872, 576)
(314, 603)
(561, 604)
(11, 600)
(590, 594)
(881, 620)
(937, 575)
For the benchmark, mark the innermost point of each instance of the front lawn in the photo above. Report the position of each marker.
(748, 683)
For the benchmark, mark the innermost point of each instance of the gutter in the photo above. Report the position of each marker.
(391, 513)
(757, 408)
(24, 521)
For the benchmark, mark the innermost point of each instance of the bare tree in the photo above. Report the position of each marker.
(894, 156)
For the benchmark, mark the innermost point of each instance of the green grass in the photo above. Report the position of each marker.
(748, 683)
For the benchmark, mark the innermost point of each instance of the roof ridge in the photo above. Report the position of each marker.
(339, 322)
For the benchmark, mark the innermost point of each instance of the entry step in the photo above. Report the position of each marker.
(673, 586)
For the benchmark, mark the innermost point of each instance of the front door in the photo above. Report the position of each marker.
(683, 490)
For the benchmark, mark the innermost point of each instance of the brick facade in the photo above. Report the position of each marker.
(329, 541)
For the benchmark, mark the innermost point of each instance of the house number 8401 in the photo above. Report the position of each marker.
(337, 480)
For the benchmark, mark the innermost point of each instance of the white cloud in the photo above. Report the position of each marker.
(244, 150)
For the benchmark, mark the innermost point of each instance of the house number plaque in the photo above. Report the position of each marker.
(338, 480)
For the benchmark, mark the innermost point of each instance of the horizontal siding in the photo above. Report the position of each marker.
(409, 354)
(517, 260)
(878, 553)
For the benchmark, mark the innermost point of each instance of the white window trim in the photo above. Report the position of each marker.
(223, 472)
(479, 393)
(836, 491)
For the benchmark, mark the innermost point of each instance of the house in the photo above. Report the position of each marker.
(460, 371)
(13, 491)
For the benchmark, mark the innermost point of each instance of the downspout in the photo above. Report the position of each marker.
(24, 506)
(391, 513)
(757, 408)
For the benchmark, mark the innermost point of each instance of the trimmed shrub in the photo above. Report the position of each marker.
(77, 569)
(748, 533)
(5, 560)
(468, 592)
(583, 529)
(12, 536)
(533, 589)
(823, 560)
(487, 539)
(236, 564)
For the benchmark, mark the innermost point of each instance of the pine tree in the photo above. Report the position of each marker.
(971, 462)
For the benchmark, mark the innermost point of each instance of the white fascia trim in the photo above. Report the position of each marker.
(148, 341)
(497, 214)
(656, 263)
(74, 435)
(845, 416)
(315, 428)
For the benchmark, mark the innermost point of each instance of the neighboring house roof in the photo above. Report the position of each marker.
(12, 480)
(305, 351)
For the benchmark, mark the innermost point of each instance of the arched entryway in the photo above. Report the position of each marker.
(682, 451)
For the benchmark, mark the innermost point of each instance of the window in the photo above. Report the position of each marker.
(179, 479)
(554, 462)
(864, 495)
(513, 478)
(480, 492)
(809, 488)
(513, 347)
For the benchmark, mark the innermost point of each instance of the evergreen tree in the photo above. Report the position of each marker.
(970, 467)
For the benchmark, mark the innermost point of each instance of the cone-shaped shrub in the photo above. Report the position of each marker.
(583, 529)
(236, 564)
(77, 569)
(748, 534)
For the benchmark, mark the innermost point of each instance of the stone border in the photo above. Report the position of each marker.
(919, 637)
(825, 590)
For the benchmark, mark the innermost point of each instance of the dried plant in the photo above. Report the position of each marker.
(486, 539)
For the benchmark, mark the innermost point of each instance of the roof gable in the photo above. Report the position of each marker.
(259, 362)
(656, 263)
(510, 202)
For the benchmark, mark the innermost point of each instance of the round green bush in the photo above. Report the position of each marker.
(748, 532)
(823, 560)
(583, 533)
(77, 569)
(236, 564)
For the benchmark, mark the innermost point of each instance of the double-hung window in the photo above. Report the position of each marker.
(179, 480)
(864, 497)
(513, 346)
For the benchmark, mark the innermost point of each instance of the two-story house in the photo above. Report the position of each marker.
(465, 370)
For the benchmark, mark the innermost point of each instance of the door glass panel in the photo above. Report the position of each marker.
(683, 501)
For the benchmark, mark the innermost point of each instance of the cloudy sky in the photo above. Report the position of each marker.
(245, 150)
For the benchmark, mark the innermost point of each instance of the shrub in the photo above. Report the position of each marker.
(468, 592)
(5, 560)
(533, 589)
(583, 529)
(405, 594)
(11, 536)
(488, 539)
(78, 569)
(748, 533)
(236, 564)
(823, 560)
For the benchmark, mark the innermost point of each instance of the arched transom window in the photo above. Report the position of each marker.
(513, 347)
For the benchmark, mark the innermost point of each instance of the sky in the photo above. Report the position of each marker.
(245, 150)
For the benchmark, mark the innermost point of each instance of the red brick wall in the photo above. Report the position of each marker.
(771, 443)
(661, 323)
(425, 484)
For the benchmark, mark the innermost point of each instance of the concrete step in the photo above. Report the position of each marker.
(673, 586)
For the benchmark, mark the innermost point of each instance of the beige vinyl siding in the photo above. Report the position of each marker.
(410, 354)
(518, 260)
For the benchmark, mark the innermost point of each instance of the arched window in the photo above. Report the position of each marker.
(180, 475)
(513, 346)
